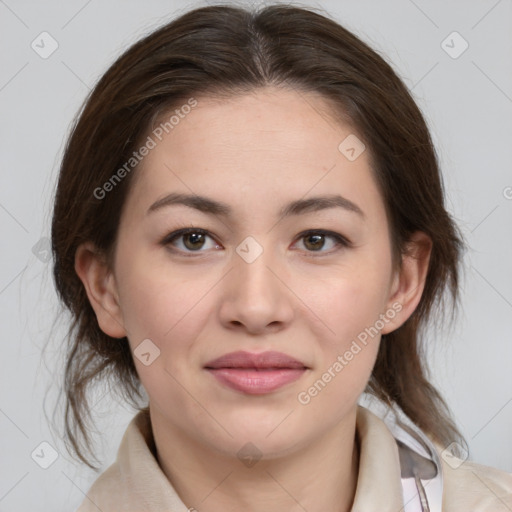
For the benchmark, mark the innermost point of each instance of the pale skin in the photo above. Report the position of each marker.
(255, 152)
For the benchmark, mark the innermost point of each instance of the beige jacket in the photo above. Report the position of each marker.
(135, 482)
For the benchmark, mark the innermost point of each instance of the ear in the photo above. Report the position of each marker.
(99, 283)
(409, 280)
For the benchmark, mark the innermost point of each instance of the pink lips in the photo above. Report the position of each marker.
(256, 374)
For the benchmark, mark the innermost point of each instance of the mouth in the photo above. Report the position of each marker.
(256, 374)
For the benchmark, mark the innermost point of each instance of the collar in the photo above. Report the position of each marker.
(136, 482)
(420, 464)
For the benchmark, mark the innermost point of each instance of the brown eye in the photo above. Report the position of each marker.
(314, 242)
(193, 241)
(190, 240)
(322, 242)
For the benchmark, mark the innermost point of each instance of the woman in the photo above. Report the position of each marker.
(250, 227)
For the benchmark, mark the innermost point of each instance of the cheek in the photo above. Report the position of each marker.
(153, 299)
(349, 300)
(352, 309)
(350, 303)
(169, 309)
(170, 312)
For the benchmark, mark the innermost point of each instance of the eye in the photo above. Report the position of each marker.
(190, 240)
(315, 241)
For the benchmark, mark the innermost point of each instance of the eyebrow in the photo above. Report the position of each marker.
(298, 207)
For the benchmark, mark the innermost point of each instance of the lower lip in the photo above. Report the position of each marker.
(256, 382)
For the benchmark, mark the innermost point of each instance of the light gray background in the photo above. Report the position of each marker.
(468, 105)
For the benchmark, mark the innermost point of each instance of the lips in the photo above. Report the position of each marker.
(263, 360)
(256, 374)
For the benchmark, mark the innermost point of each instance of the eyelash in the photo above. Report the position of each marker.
(340, 240)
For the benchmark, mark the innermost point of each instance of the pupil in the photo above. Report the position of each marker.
(196, 240)
(318, 241)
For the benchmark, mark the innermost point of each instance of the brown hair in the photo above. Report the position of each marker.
(227, 50)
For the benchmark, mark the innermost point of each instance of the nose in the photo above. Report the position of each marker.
(256, 296)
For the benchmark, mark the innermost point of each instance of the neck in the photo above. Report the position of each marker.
(319, 476)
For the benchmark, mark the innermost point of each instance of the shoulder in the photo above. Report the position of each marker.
(475, 487)
(105, 492)
(112, 489)
(134, 482)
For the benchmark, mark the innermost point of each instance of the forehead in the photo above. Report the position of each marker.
(267, 119)
(264, 145)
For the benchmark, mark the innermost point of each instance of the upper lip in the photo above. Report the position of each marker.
(242, 359)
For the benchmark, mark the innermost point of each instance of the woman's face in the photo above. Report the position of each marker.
(255, 282)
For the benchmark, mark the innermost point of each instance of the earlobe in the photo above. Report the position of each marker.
(409, 280)
(99, 283)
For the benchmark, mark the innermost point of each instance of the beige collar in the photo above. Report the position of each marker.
(135, 481)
